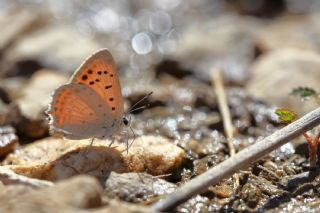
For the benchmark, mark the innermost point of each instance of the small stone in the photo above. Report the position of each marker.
(290, 32)
(115, 205)
(54, 48)
(14, 24)
(4, 96)
(55, 159)
(266, 9)
(60, 198)
(14, 86)
(30, 128)
(223, 191)
(8, 140)
(14, 190)
(207, 146)
(8, 177)
(231, 49)
(136, 187)
(198, 203)
(37, 93)
(284, 33)
(33, 129)
(10, 114)
(154, 154)
(77, 194)
(267, 187)
(274, 75)
(205, 163)
(251, 194)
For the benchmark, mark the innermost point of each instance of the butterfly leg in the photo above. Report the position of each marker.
(91, 142)
(112, 141)
(127, 142)
(134, 137)
(88, 147)
(127, 139)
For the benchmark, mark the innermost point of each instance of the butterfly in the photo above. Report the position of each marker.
(91, 104)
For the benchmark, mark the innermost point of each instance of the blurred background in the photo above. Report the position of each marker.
(184, 39)
(140, 33)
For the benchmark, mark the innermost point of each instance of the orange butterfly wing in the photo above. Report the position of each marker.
(77, 112)
(99, 72)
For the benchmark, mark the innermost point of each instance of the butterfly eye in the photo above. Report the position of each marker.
(125, 121)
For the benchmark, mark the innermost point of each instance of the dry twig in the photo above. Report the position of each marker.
(240, 160)
(217, 80)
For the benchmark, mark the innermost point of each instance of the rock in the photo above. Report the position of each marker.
(14, 191)
(225, 42)
(265, 8)
(153, 154)
(8, 140)
(274, 75)
(58, 46)
(8, 177)
(37, 93)
(203, 164)
(251, 194)
(300, 32)
(14, 86)
(27, 112)
(284, 33)
(32, 129)
(223, 191)
(78, 194)
(4, 96)
(198, 202)
(10, 114)
(137, 187)
(60, 198)
(171, 68)
(265, 186)
(14, 23)
(55, 159)
(257, 192)
(122, 207)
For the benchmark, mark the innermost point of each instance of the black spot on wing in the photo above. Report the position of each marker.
(84, 77)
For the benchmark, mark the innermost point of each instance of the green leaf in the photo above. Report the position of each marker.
(286, 115)
(304, 92)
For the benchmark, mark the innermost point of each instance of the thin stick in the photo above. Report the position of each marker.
(217, 80)
(242, 159)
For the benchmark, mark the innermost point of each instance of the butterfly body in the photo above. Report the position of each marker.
(91, 104)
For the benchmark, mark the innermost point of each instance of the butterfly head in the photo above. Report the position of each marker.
(126, 121)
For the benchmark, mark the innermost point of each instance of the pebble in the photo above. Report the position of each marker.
(275, 74)
(8, 140)
(55, 159)
(137, 187)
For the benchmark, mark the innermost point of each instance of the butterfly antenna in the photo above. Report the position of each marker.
(142, 107)
(142, 99)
